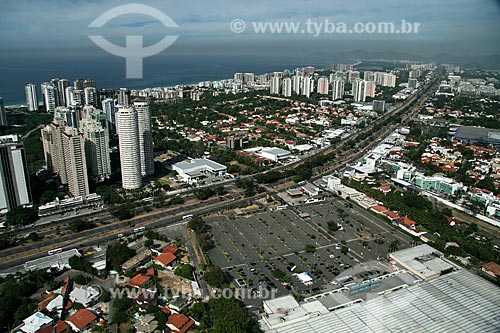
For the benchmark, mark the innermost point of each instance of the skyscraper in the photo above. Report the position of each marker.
(14, 177)
(124, 97)
(368, 76)
(275, 87)
(389, 80)
(337, 89)
(52, 148)
(384, 79)
(49, 97)
(90, 96)
(358, 90)
(68, 114)
(76, 97)
(3, 116)
(128, 145)
(323, 86)
(145, 137)
(370, 88)
(362, 89)
(238, 76)
(307, 86)
(73, 147)
(287, 87)
(352, 75)
(61, 87)
(96, 148)
(108, 106)
(31, 97)
(297, 84)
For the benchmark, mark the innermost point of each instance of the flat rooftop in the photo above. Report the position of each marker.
(59, 260)
(457, 302)
(200, 163)
(473, 133)
(423, 261)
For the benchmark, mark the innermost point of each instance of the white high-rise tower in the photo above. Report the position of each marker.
(337, 89)
(31, 97)
(128, 144)
(145, 137)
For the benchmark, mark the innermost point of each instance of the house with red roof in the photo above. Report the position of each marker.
(492, 269)
(139, 281)
(384, 189)
(379, 209)
(391, 215)
(62, 327)
(405, 221)
(165, 259)
(179, 323)
(170, 249)
(82, 320)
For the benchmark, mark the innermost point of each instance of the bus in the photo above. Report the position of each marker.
(138, 230)
(55, 251)
(187, 217)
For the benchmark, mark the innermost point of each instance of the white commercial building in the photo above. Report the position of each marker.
(192, 171)
(270, 153)
(128, 143)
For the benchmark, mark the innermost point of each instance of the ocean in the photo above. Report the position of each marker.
(108, 71)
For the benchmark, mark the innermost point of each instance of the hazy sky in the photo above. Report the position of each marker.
(462, 27)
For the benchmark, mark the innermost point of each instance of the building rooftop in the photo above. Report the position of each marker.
(199, 163)
(276, 151)
(456, 302)
(423, 261)
(81, 319)
(472, 133)
(59, 261)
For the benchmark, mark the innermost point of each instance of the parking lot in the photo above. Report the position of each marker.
(269, 249)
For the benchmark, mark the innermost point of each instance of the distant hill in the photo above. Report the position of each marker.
(480, 61)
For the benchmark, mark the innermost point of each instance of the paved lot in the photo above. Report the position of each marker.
(255, 249)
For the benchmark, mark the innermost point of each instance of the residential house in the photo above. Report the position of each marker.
(82, 320)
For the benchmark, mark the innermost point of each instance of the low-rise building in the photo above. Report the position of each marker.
(165, 259)
(192, 171)
(85, 295)
(35, 322)
(423, 261)
(492, 269)
(82, 320)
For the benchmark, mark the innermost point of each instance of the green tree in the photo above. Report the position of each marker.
(185, 271)
(118, 253)
(21, 215)
(216, 277)
(80, 225)
(121, 306)
(309, 248)
(33, 237)
(105, 296)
